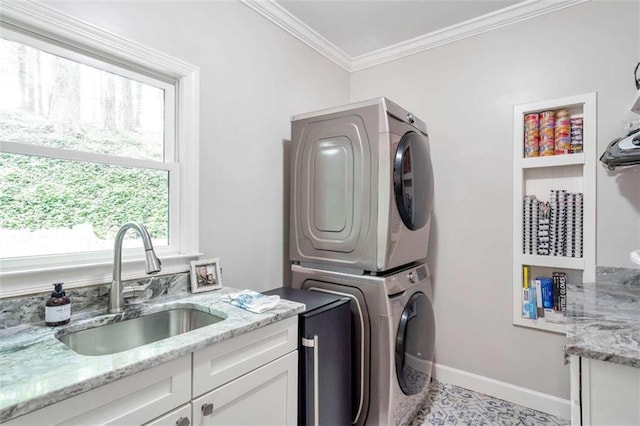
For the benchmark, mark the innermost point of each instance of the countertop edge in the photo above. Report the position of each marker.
(602, 356)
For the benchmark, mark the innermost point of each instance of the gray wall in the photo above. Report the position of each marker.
(253, 77)
(465, 91)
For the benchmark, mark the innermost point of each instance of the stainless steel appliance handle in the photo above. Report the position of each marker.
(313, 343)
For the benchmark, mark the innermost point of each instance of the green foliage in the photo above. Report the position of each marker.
(43, 193)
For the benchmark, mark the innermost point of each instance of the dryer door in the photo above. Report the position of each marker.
(332, 185)
(413, 180)
(415, 344)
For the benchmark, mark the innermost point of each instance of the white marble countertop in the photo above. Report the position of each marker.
(603, 321)
(38, 370)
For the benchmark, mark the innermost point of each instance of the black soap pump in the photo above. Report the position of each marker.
(57, 310)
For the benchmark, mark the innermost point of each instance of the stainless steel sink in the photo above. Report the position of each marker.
(129, 334)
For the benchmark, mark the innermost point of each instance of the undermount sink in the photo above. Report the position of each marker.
(120, 336)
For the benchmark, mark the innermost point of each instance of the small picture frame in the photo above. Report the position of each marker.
(205, 275)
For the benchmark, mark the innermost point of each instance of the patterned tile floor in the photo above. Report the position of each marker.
(452, 405)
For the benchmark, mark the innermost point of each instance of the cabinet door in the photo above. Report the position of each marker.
(178, 417)
(610, 393)
(133, 400)
(266, 396)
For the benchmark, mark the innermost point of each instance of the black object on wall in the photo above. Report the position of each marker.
(324, 367)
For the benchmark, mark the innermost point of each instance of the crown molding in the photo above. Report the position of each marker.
(501, 18)
(37, 15)
(285, 20)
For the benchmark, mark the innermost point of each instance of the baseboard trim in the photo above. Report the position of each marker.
(518, 395)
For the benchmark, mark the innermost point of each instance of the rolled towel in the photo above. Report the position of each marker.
(252, 301)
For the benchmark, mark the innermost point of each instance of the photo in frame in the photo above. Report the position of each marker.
(205, 275)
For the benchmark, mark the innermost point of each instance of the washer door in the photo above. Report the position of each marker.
(415, 344)
(413, 180)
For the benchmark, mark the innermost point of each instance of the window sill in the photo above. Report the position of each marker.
(31, 281)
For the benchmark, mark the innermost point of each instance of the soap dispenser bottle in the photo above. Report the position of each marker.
(57, 310)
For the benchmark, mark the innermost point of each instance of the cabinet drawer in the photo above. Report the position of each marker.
(178, 417)
(133, 400)
(224, 361)
(266, 396)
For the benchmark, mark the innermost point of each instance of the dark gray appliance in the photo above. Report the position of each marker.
(325, 357)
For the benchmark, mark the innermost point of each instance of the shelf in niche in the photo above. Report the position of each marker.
(541, 324)
(553, 261)
(553, 161)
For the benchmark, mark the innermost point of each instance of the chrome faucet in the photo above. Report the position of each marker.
(152, 264)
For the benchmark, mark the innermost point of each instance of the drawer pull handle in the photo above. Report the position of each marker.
(183, 421)
(207, 409)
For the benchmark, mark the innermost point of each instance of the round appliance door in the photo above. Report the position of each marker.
(413, 180)
(415, 344)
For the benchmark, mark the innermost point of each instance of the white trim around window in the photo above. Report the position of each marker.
(181, 158)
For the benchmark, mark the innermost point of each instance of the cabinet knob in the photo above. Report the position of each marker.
(207, 409)
(183, 421)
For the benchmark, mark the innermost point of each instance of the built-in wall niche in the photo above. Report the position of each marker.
(560, 183)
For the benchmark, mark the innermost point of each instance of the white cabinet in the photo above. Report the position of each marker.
(609, 393)
(265, 396)
(538, 176)
(249, 387)
(133, 400)
(249, 379)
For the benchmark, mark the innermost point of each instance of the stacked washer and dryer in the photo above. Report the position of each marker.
(361, 201)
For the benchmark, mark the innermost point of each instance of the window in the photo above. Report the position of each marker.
(86, 150)
(90, 140)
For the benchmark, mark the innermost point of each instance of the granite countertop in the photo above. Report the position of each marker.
(603, 319)
(39, 370)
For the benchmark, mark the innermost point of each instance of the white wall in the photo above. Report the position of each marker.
(465, 92)
(253, 77)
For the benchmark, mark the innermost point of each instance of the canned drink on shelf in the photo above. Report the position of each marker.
(563, 145)
(547, 146)
(548, 133)
(576, 147)
(576, 134)
(547, 114)
(532, 120)
(531, 135)
(531, 151)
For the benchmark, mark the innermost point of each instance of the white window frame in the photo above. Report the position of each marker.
(46, 29)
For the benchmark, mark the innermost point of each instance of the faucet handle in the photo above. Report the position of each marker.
(134, 290)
